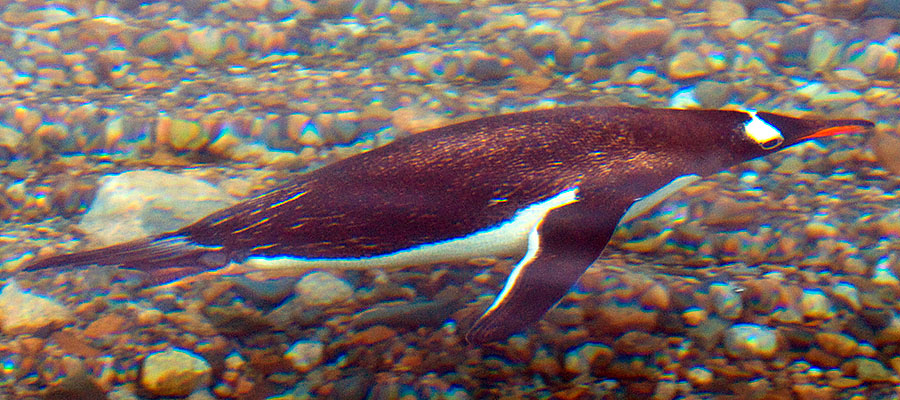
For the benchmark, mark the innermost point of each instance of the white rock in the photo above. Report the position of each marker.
(23, 312)
(174, 372)
(322, 289)
(143, 203)
(305, 355)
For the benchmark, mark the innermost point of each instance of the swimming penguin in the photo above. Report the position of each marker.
(550, 184)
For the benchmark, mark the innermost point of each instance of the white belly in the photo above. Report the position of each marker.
(506, 239)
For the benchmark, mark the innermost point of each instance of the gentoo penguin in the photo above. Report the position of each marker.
(549, 186)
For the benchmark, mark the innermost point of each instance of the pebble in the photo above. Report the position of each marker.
(724, 12)
(750, 341)
(815, 304)
(320, 288)
(305, 355)
(868, 370)
(687, 64)
(712, 94)
(694, 316)
(846, 9)
(883, 273)
(726, 301)
(728, 212)
(638, 343)
(23, 312)
(486, 67)
(823, 51)
(637, 35)
(581, 360)
(699, 376)
(372, 335)
(136, 204)
(839, 344)
(174, 372)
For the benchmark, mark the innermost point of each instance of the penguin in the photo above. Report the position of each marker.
(549, 186)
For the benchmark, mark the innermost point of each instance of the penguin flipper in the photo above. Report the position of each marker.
(166, 257)
(560, 248)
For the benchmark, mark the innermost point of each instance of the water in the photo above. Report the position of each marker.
(775, 278)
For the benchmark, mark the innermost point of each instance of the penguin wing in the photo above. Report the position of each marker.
(560, 248)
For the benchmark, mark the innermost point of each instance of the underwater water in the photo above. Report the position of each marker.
(777, 278)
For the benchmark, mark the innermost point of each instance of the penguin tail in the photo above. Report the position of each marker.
(167, 257)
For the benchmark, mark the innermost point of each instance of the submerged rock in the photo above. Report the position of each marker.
(750, 341)
(322, 289)
(143, 203)
(174, 372)
(22, 312)
(305, 355)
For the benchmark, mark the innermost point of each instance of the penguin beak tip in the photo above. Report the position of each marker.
(839, 130)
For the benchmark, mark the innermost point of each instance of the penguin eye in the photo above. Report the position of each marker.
(771, 143)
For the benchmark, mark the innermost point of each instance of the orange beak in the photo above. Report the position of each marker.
(836, 130)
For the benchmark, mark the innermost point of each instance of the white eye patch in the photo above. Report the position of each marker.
(763, 133)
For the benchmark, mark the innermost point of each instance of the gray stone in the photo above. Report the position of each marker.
(321, 288)
(136, 204)
(174, 372)
(750, 341)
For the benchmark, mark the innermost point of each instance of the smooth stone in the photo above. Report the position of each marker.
(851, 78)
(886, 146)
(581, 360)
(186, 135)
(846, 9)
(726, 301)
(878, 59)
(268, 292)
(684, 98)
(638, 343)
(884, 274)
(156, 43)
(820, 230)
(637, 35)
(724, 12)
(11, 139)
(823, 51)
(699, 376)
(790, 165)
(815, 304)
(830, 98)
(848, 294)
(320, 288)
(372, 335)
(883, 8)
(838, 344)
(411, 315)
(305, 355)
(712, 94)
(23, 312)
(750, 341)
(728, 212)
(642, 77)
(869, 370)
(137, 204)
(485, 67)
(708, 333)
(687, 65)
(174, 372)
(743, 28)
(694, 316)
(613, 317)
(795, 45)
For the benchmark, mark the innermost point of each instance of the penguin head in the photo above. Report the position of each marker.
(765, 132)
